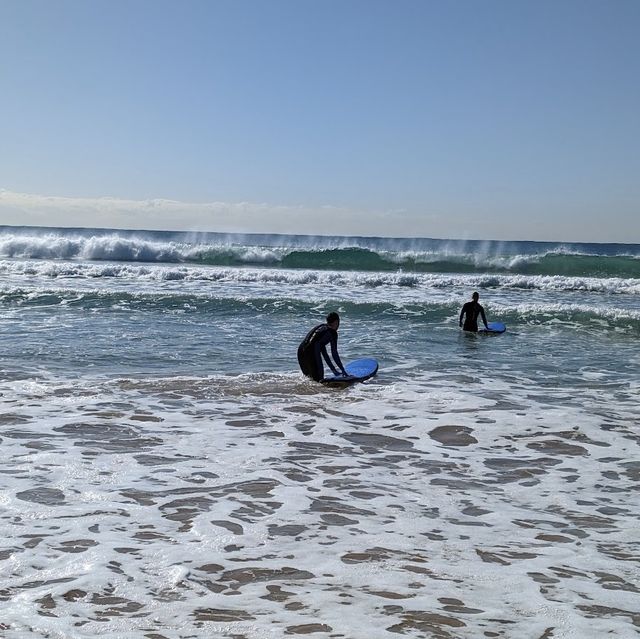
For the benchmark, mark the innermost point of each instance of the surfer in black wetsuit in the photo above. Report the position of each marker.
(315, 344)
(470, 312)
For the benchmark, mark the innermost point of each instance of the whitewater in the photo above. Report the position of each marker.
(168, 472)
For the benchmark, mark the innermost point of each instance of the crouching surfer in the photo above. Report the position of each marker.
(314, 345)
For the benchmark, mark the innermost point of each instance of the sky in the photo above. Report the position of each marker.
(493, 119)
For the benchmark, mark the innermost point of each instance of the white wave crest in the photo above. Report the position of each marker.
(558, 311)
(245, 274)
(108, 247)
(130, 249)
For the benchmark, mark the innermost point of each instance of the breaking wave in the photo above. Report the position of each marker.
(335, 254)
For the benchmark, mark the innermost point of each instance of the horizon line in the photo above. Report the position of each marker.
(105, 229)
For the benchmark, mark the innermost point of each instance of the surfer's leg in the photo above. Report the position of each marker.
(308, 364)
(317, 375)
(303, 361)
(315, 364)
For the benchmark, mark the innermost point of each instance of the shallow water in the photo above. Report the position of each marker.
(167, 472)
(224, 506)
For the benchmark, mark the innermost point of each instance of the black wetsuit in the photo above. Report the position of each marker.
(470, 312)
(315, 344)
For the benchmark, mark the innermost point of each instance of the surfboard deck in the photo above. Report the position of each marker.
(494, 327)
(358, 371)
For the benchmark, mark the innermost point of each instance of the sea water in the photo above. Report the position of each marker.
(167, 471)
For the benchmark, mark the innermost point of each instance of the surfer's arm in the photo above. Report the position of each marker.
(462, 312)
(484, 317)
(327, 359)
(336, 357)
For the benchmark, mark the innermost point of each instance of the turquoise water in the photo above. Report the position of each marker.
(168, 470)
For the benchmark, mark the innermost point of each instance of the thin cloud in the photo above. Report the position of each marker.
(164, 214)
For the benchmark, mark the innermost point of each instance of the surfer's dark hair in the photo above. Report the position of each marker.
(332, 317)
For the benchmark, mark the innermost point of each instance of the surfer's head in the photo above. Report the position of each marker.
(476, 296)
(333, 320)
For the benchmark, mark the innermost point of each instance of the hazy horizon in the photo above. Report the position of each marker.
(197, 232)
(121, 209)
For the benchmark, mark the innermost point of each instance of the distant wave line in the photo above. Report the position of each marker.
(66, 269)
(442, 310)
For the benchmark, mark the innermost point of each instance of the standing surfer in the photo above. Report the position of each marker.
(315, 344)
(470, 312)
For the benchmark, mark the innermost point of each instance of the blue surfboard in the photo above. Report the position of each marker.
(357, 371)
(494, 327)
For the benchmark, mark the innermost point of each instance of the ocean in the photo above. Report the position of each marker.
(168, 472)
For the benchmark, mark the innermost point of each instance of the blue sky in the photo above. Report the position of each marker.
(467, 119)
